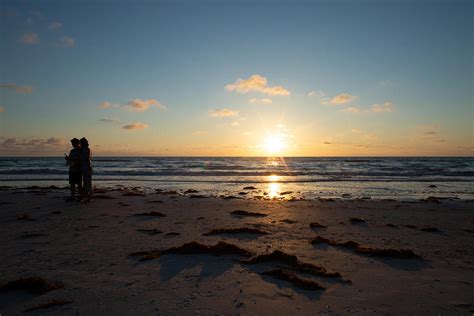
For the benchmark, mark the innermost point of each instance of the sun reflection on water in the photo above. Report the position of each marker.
(273, 186)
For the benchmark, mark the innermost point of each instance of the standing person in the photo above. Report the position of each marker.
(75, 172)
(86, 167)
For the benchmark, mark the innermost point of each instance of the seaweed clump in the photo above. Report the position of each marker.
(221, 248)
(47, 305)
(430, 229)
(292, 278)
(246, 213)
(316, 225)
(294, 263)
(240, 230)
(376, 252)
(152, 213)
(33, 285)
(357, 220)
(153, 231)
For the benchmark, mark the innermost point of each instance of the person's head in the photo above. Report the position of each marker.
(84, 142)
(75, 142)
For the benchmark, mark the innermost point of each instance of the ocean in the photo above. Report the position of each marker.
(377, 178)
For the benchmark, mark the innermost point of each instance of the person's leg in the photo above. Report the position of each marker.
(86, 185)
(71, 184)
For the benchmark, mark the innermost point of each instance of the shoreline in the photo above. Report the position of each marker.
(133, 252)
(246, 192)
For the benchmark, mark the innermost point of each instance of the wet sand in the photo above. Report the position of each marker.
(170, 253)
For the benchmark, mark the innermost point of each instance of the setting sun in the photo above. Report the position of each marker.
(274, 144)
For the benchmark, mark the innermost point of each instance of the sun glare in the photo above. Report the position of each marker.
(274, 144)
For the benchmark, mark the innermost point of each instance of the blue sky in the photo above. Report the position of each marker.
(405, 67)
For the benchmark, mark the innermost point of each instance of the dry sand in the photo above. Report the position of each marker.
(83, 253)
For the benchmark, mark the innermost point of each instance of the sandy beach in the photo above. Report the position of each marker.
(176, 253)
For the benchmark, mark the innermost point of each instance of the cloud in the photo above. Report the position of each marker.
(356, 131)
(108, 105)
(28, 144)
(110, 120)
(327, 143)
(223, 112)
(135, 126)
(385, 107)
(2, 109)
(261, 101)
(136, 105)
(67, 42)
(429, 133)
(235, 123)
(316, 93)
(256, 83)
(16, 88)
(29, 38)
(55, 26)
(140, 105)
(351, 109)
(342, 98)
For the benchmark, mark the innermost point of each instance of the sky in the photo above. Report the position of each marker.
(237, 78)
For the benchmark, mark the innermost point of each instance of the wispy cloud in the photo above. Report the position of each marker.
(29, 38)
(33, 144)
(54, 26)
(261, 101)
(342, 98)
(2, 109)
(16, 88)
(429, 133)
(67, 42)
(135, 105)
(351, 109)
(143, 105)
(385, 107)
(108, 105)
(223, 112)
(256, 83)
(339, 99)
(110, 120)
(135, 126)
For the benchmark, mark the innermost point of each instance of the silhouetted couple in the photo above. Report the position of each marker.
(80, 169)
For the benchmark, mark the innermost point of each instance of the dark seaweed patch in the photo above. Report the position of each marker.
(376, 252)
(221, 248)
(294, 263)
(288, 221)
(249, 188)
(356, 220)
(292, 278)
(47, 305)
(430, 229)
(152, 213)
(153, 231)
(245, 213)
(316, 225)
(33, 285)
(241, 230)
